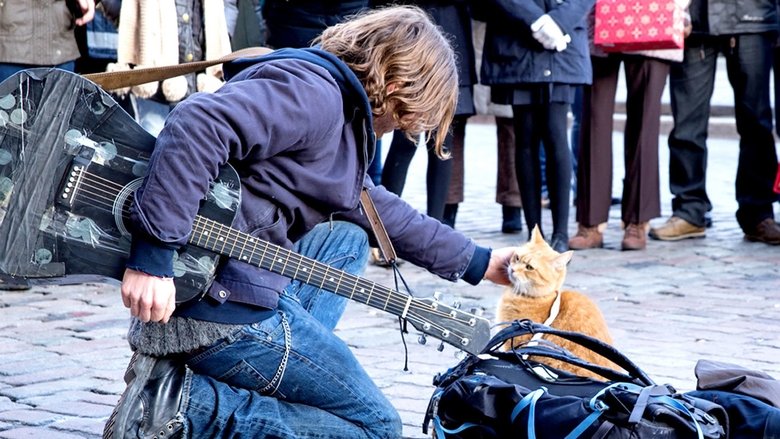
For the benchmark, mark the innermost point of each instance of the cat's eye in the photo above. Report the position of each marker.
(529, 267)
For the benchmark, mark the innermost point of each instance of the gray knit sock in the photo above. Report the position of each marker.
(179, 335)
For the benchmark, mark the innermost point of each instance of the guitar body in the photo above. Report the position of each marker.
(70, 160)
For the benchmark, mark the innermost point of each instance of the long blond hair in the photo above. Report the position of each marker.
(401, 45)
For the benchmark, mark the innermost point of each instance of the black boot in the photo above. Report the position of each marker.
(450, 211)
(151, 405)
(559, 242)
(513, 219)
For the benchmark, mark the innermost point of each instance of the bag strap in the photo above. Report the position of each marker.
(130, 78)
(528, 327)
(378, 227)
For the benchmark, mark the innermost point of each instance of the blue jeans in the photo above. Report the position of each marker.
(289, 376)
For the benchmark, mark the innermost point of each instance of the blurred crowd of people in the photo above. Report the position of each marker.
(529, 64)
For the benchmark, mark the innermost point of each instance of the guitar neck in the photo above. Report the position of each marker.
(241, 246)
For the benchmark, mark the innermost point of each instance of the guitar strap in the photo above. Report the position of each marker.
(128, 78)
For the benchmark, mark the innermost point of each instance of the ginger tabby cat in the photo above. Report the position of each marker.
(537, 272)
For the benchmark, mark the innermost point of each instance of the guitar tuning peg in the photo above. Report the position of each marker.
(456, 305)
(440, 347)
(437, 295)
(477, 311)
(422, 339)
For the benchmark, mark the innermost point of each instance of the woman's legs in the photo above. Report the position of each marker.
(547, 123)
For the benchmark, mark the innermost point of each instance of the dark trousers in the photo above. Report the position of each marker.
(455, 142)
(437, 178)
(507, 192)
(645, 82)
(748, 62)
(536, 124)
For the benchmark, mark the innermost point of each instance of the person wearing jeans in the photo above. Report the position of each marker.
(255, 355)
(745, 34)
(315, 368)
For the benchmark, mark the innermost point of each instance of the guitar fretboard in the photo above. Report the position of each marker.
(227, 241)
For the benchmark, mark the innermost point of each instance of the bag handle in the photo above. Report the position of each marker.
(606, 372)
(528, 327)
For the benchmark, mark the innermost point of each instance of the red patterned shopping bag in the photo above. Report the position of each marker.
(627, 25)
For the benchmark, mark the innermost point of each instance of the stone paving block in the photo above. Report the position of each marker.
(79, 408)
(51, 387)
(30, 361)
(7, 404)
(10, 345)
(37, 433)
(85, 427)
(29, 417)
(45, 375)
(92, 397)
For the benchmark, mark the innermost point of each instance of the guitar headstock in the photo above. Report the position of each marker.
(466, 331)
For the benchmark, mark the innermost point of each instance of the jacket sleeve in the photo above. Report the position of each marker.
(253, 117)
(424, 241)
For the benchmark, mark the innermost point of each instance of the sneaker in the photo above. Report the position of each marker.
(151, 405)
(512, 219)
(767, 231)
(586, 237)
(635, 237)
(675, 229)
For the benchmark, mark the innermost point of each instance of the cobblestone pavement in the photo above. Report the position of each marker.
(63, 348)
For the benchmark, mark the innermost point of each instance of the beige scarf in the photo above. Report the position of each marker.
(149, 37)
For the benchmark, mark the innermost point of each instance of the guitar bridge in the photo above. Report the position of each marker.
(74, 177)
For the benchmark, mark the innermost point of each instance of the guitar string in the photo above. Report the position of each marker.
(396, 301)
(208, 223)
(316, 264)
(412, 313)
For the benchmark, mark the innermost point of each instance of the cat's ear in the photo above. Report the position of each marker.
(536, 235)
(562, 259)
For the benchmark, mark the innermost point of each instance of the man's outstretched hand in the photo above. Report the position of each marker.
(497, 271)
(150, 298)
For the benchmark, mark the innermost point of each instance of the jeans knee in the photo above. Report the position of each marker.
(389, 427)
(352, 236)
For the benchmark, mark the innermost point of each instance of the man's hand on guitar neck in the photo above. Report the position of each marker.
(150, 298)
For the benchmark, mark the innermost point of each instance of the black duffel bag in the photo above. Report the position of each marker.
(500, 394)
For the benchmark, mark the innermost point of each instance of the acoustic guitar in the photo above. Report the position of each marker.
(71, 159)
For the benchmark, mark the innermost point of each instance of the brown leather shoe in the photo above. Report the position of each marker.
(675, 229)
(586, 237)
(767, 231)
(635, 237)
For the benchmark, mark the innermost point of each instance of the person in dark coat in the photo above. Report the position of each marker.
(535, 53)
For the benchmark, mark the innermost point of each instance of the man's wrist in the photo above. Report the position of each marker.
(150, 258)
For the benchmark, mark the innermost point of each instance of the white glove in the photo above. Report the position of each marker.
(547, 32)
